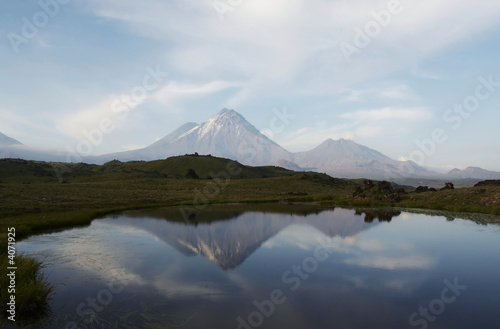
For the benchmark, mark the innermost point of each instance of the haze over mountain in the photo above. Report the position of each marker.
(12, 148)
(228, 134)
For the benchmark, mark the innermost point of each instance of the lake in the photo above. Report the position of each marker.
(272, 266)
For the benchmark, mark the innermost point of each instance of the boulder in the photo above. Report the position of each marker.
(421, 189)
(448, 186)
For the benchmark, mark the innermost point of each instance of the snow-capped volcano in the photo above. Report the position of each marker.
(226, 134)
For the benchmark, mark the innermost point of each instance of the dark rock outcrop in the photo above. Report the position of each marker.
(488, 183)
(448, 186)
(422, 189)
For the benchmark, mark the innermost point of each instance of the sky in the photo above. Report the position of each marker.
(415, 80)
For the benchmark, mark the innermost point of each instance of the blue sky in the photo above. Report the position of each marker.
(385, 87)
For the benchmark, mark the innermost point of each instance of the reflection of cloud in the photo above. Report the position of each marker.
(171, 284)
(392, 262)
(303, 237)
(374, 245)
(397, 283)
(389, 255)
(91, 253)
(400, 284)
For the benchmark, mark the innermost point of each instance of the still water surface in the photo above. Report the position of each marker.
(292, 267)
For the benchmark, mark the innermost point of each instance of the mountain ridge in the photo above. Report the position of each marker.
(8, 141)
(228, 134)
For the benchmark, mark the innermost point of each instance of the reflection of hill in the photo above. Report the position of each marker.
(383, 215)
(229, 242)
(193, 216)
(340, 222)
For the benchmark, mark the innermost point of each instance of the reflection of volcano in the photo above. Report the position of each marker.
(228, 243)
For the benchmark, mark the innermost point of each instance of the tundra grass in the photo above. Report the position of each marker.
(32, 291)
(32, 201)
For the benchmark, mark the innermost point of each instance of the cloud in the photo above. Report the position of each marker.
(264, 53)
(389, 113)
(362, 124)
(90, 118)
(277, 49)
(117, 108)
(303, 139)
(11, 119)
(174, 90)
(396, 92)
(272, 38)
(132, 147)
(417, 72)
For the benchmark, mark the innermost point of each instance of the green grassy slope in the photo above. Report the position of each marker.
(37, 196)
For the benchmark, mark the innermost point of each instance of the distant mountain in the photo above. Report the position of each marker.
(30, 153)
(158, 150)
(12, 148)
(345, 158)
(8, 141)
(227, 134)
(473, 172)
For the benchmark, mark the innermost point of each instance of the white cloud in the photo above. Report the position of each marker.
(11, 119)
(132, 147)
(369, 131)
(418, 72)
(117, 108)
(174, 90)
(362, 124)
(304, 139)
(267, 50)
(296, 43)
(389, 113)
(90, 118)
